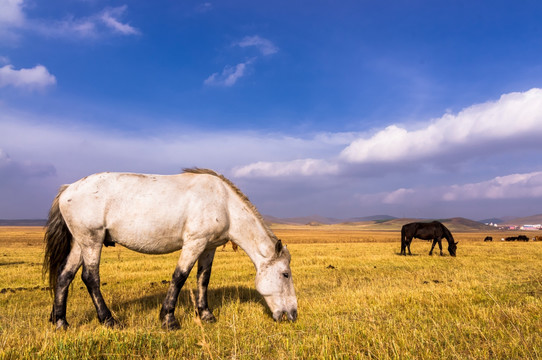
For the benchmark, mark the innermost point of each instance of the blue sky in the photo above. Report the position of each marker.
(342, 109)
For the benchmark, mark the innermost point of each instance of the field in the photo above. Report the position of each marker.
(357, 299)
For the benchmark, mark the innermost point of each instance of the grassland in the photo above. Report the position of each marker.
(357, 299)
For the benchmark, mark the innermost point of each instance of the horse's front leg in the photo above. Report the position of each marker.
(192, 250)
(205, 263)
(440, 246)
(433, 246)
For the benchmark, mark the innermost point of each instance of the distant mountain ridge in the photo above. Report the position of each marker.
(390, 223)
(23, 222)
(313, 219)
(380, 220)
(531, 220)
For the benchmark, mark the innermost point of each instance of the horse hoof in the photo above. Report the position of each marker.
(170, 323)
(111, 322)
(62, 324)
(207, 316)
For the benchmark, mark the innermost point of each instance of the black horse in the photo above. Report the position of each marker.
(427, 231)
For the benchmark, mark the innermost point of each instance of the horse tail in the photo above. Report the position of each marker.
(57, 242)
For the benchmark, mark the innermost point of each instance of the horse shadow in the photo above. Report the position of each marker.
(217, 298)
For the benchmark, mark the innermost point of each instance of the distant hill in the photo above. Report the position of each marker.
(371, 218)
(317, 219)
(493, 221)
(302, 220)
(534, 219)
(454, 224)
(23, 222)
(379, 222)
(462, 224)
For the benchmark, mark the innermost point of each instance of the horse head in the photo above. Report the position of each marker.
(274, 282)
(452, 248)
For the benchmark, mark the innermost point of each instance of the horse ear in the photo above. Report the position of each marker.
(278, 248)
(457, 242)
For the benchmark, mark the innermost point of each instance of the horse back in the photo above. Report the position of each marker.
(424, 231)
(148, 213)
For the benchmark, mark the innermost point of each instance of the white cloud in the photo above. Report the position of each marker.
(304, 167)
(13, 20)
(502, 187)
(110, 18)
(229, 75)
(37, 77)
(11, 13)
(514, 186)
(265, 46)
(512, 117)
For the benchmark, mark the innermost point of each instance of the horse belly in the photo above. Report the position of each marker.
(152, 242)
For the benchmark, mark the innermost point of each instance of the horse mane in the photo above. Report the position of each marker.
(243, 197)
(448, 234)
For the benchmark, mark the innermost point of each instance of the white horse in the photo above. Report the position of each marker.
(197, 211)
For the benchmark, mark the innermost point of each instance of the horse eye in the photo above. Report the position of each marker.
(286, 275)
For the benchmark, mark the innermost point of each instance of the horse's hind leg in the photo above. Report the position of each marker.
(91, 278)
(64, 279)
(408, 241)
(192, 249)
(205, 263)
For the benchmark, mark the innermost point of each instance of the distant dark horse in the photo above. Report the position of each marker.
(427, 231)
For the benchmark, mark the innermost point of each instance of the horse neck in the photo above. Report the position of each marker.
(448, 236)
(249, 232)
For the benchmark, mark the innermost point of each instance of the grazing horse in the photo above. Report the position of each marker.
(488, 238)
(427, 231)
(195, 211)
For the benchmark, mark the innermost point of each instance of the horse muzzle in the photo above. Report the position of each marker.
(291, 315)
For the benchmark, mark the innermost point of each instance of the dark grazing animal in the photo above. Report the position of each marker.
(488, 238)
(523, 238)
(427, 231)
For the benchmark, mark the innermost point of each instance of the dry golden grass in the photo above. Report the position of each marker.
(357, 299)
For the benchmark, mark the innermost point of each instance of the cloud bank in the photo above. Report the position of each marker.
(514, 186)
(511, 118)
(46, 152)
(288, 168)
(510, 123)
